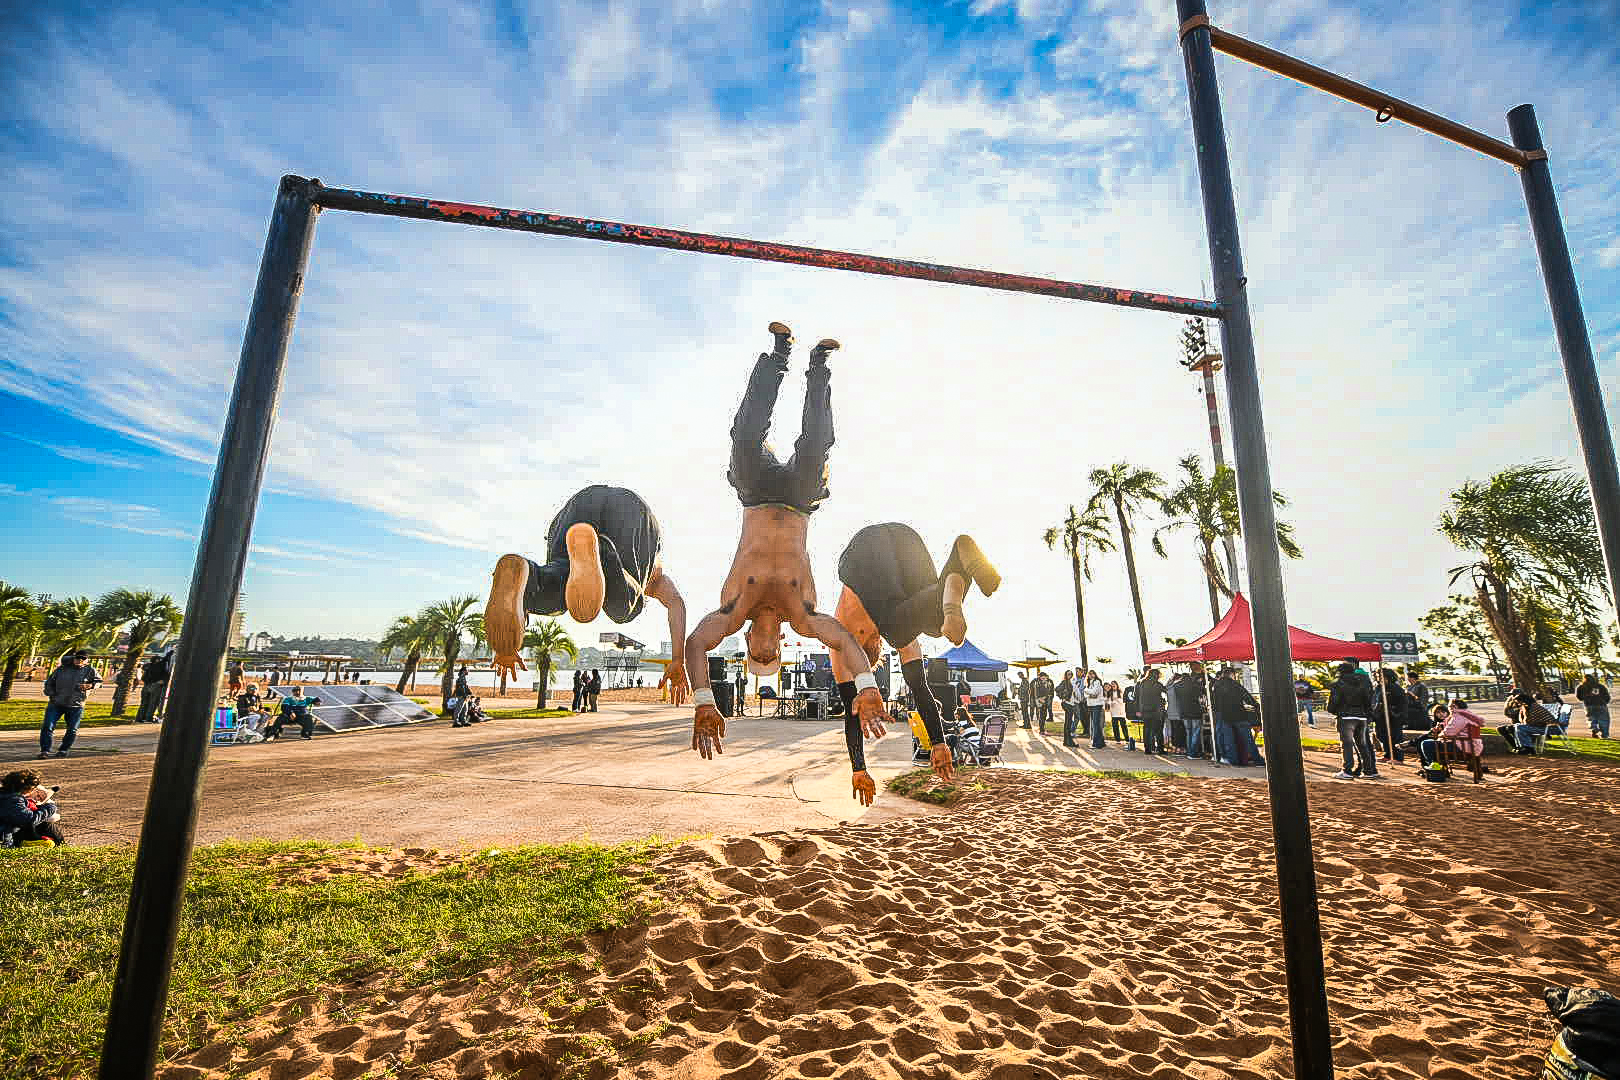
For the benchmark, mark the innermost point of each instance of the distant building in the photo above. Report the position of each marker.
(259, 642)
(237, 639)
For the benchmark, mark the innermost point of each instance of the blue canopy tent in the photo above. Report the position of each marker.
(968, 655)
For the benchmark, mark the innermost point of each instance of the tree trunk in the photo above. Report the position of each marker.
(1521, 657)
(409, 672)
(452, 651)
(1079, 608)
(1130, 572)
(126, 675)
(1207, 562)
(13, 662)
(544, 671)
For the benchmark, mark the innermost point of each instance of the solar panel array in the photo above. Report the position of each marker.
(354, 708)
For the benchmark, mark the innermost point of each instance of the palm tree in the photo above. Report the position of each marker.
(1081, 533)
(1127, 487)
(410, 635)
(145, 617)
(19, 632)
(71, 624)
(1535, 536)
(447, 621)
(1208, 505)
(543, 642)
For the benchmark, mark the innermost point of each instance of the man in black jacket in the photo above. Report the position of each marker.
(1236, 713)
(1193, 705)
(1595, 696)
(1350, 701)
(66, 689)
(1150, 704)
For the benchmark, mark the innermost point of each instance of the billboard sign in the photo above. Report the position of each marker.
(1398, 648)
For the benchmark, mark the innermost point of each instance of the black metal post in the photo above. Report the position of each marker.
(1285, 768)
(1574, 343)
(140, 991)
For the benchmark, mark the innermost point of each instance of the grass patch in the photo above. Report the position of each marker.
(256, 929)
(1118, 774)
(924, 786)
(528, 714)
(27, 715)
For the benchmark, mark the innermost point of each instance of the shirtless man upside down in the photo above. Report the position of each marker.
(770, 581)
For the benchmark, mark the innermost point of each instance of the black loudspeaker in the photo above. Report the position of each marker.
(819, 680)
(717, 669)
(724, 698)
(936, 670)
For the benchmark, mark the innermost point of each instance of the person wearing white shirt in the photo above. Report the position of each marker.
(1094, 709)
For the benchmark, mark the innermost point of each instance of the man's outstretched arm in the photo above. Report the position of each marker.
(868, 701)
(708, 726)
(662, 589)
(940, 758)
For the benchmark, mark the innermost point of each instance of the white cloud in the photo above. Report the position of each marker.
(463, 382)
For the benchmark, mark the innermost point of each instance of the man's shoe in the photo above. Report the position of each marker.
(1342, 775)
(784, 340)
(60, 753)
(1372, 776)
(818, 355)
(586, 584)
(978, 567)
(504, 617)
(42, 755)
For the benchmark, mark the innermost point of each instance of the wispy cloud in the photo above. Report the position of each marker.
(461, 383)
(77, 453)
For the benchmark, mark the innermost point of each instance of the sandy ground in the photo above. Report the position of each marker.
(1052, 926)
(1049, 926)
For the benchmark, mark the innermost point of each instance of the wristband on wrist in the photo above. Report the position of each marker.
(702, 697)
(865, 681)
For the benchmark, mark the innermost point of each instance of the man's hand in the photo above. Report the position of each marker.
(507, 665)
(869, 710)
(939, 759)
(675, 680)
(865, 790)
(708, 728)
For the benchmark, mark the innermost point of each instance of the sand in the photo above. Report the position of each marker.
(1048, 926)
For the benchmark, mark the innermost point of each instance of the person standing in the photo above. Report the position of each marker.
(1350, 702)
(235, 675)
(1023, 689)
(578, 704)
(1114, 702)
(1595, 696)
(1043, 700)
(461, 690)
(1151, 701)
(742, 691)
(1192, 701)
(593, 689)
(1235, 709)
(1419, 691)
(1305, 700)
(1390, 729)
(154, 685)
(1066, 698)
(1093, 690)
(66, 689)
(1175, 728)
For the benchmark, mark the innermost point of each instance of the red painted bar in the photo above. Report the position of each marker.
(367, 202)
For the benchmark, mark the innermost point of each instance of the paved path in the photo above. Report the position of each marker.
(623, 773)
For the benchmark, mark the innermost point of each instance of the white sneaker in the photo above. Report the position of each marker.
(1342, 775)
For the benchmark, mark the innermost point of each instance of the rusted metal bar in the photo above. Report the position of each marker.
(1386, 106)
(367, 202)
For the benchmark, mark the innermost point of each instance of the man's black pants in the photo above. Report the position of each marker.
(755, 472)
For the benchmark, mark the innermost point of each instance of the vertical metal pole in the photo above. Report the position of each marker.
(1574, 343)
(140, 990)
(1290, 817)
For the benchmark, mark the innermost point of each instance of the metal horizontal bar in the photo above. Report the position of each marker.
(367, 202)
(1385, 105)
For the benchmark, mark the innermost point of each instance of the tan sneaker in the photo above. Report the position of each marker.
(978, 567)
(818, 355)
(784, 339)
(587, 587)
(504, 618)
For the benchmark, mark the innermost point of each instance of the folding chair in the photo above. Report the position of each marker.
(1460, 751)
(991, 738)
(1558, 732)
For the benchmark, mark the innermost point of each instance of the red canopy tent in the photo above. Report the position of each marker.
(1233, 639)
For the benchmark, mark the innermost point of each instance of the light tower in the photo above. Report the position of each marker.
(1202, 358)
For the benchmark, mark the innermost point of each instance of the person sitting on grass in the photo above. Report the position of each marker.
(1531, 719)
(295, 707)
(27, 810)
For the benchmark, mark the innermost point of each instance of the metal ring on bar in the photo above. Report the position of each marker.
(1192, 24)
(1384, 114)
(1535, 155)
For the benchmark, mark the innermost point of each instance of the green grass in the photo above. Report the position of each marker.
(26, 716)
(252, 933)
(921, 784)
(528, 714)
(1116, 774)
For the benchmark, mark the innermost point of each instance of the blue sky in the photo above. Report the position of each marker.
(448, 388)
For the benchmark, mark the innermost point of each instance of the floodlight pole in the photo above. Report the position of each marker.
(1574, 342)
(1285, 767)
(140, 989)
